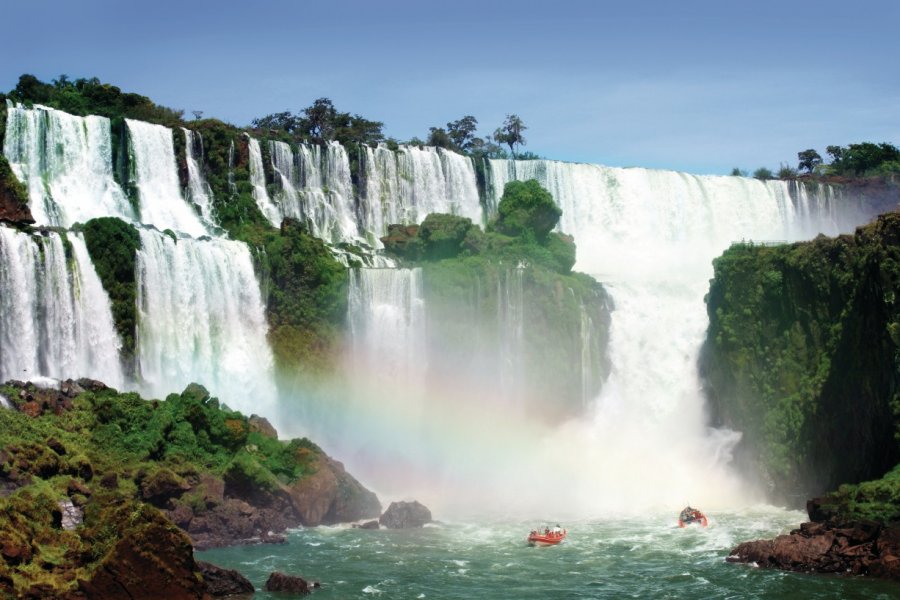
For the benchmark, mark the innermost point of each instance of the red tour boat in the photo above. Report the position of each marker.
(692, 516)
(549, 537)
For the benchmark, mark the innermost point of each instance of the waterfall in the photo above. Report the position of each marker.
(387, 360)
(327, 201)
(55, 317)
(156, 176)
(405, 186)
(66, 164)
(202, 319)
(650, 237)
(283, 164)
(258, 180)
(198, 190)
(511, 333)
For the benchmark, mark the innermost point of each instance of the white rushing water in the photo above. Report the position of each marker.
(66, 163)
(202, 320)
(156, 176)
(258, 180)
(55, 318)
(198, 191)
(650, 237)
(642, 444)
(405, 186)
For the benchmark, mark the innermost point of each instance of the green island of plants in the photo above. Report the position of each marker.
(481, 287)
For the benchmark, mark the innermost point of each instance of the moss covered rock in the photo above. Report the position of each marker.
(802, 357)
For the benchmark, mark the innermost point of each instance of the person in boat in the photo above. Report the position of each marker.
(689, 514)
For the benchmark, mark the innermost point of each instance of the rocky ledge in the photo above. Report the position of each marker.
(858, 547)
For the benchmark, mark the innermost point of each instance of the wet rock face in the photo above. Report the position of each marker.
(858, 547)
(280, 582)
(405, 515)
(152, 559)
(224, 582)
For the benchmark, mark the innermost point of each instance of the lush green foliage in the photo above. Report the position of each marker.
(864, 159)
(113, 245)
(878, 500)
(321, 122)
(90, 96)
(526, 209)
(802, 356)
(11, 189)
(106, 453)
(307, 296)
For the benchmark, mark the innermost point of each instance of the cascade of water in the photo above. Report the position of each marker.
(387, 320)
(202, 320)
(55, 319)
(511, 322)
(650, 237)
(156, 175)
(381, 207)
(258, 180)
(4, 403)
(66, 163)
(405, 187)
(198, 190)
(284, 165)
(327, 201)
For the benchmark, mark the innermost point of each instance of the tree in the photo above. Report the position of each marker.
(284, 121)
(809, 160)
(438, 137)
(462, 132)
(737, 172)
(358, 130)
(763, 174)
(198, 114)
(511, 133)
(320, 117)
(786, 172)
(526, 207)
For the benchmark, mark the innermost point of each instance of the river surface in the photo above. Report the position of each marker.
(601, 558)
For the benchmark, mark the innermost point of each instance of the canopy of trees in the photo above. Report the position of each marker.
(322, 122)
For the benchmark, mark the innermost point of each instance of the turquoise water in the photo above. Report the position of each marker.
(623, 558)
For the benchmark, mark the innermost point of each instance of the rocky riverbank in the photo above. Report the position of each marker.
(835, 540)
(104, 493)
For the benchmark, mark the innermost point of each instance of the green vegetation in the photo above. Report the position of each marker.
(91, 97)
(878, 500)
(307, 297)
(321, 122)
(105, 453)
(864, 159)
(802, 356)
(526, 209)
(113, 245)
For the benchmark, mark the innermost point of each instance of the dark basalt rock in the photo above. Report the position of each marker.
(405, 515)
(153, 559)
(858, 547)
(224, 582)
(280, 582)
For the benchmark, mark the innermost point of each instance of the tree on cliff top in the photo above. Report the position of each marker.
(510, 133)
(809, 160)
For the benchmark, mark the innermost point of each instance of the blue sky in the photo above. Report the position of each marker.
(693, 85)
